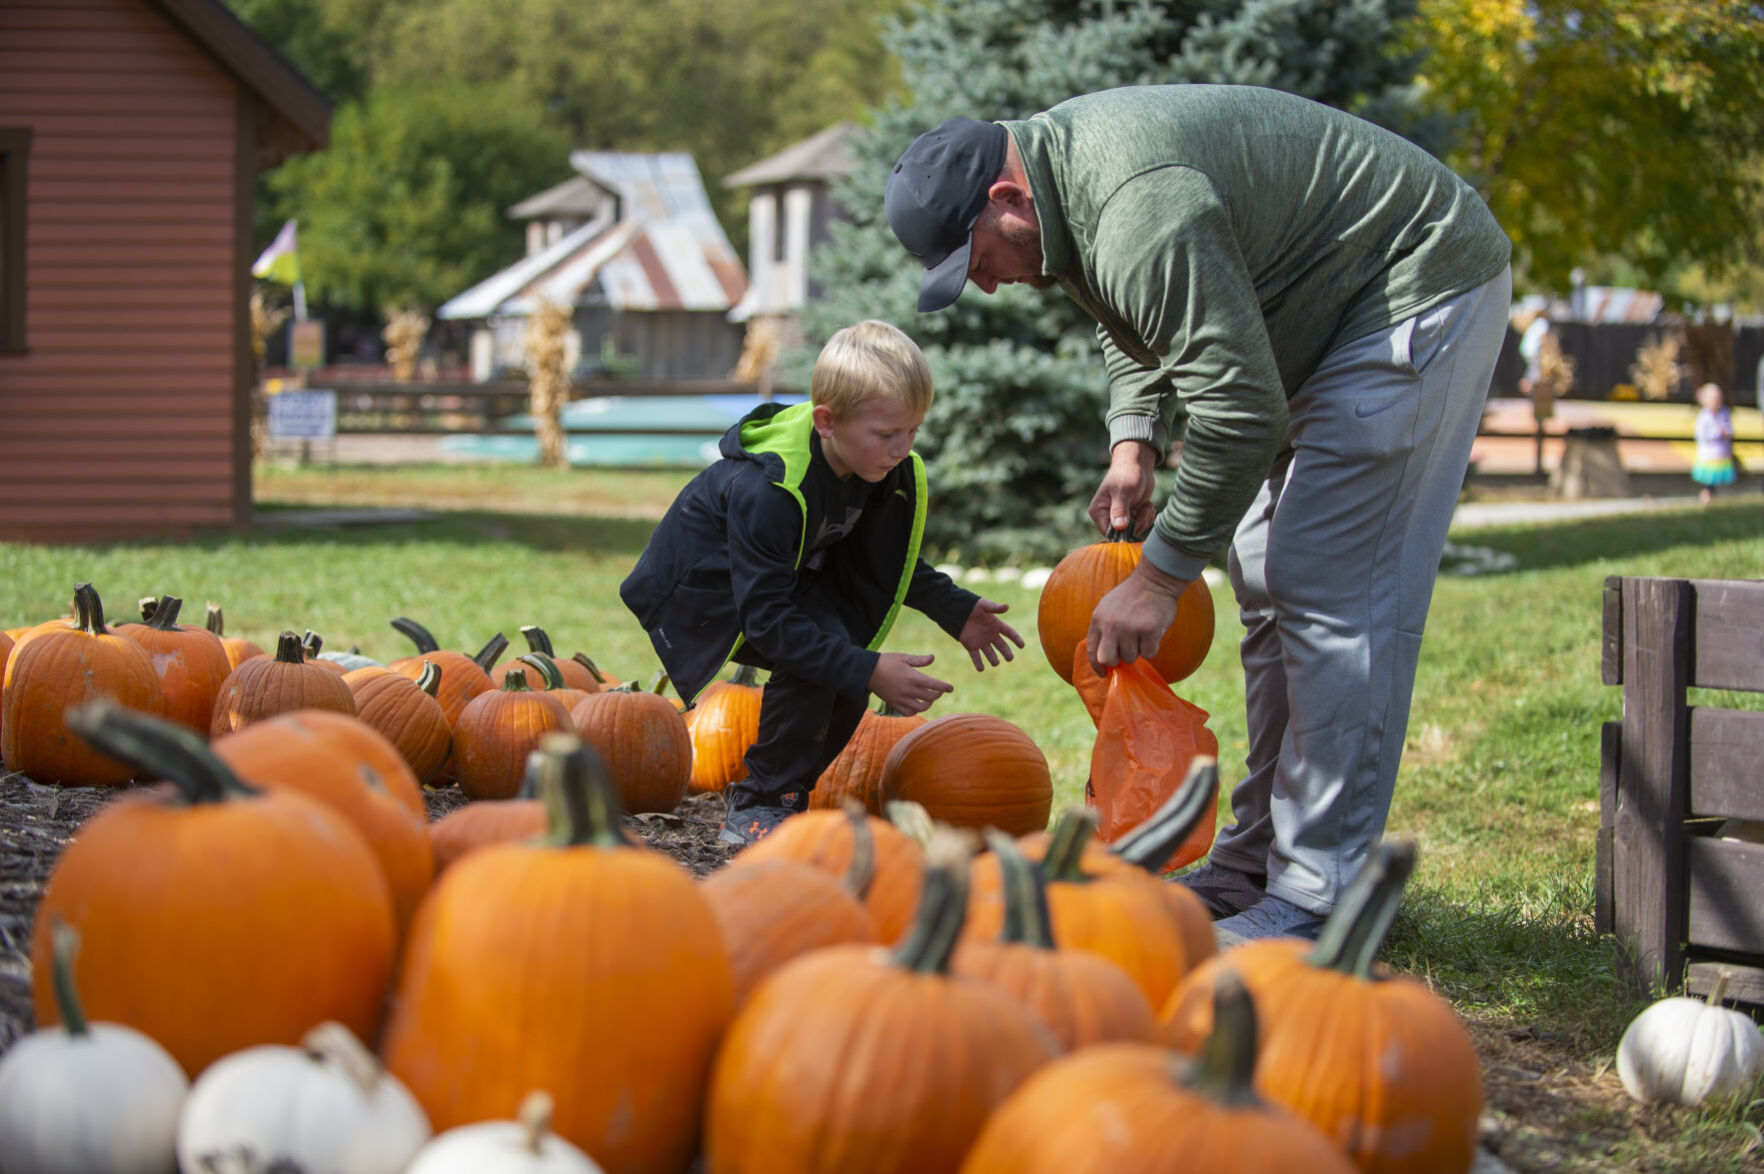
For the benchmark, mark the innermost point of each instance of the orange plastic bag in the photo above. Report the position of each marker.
(1146, 736)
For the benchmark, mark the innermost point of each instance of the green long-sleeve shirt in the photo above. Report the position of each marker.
(1226, 239)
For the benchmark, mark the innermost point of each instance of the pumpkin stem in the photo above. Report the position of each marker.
(1226, 1066)
(289, 649)
(1718, 988)
(148, 605)
(887, 710)
(911, 818)
(429, 680)
(662, 681)
(89, 610)
(515, 681)
(943, 905)
(65, 945)
(537, 639)
(1065, 852)
(1152, 842)
(493, 649)
(862, 871)
(419, 635)
(1356, 927)
(311, 644)
(745, 675)
(216, 621)
(166, 749)
(587, 662)
(545, 667)
(581, 802)
(161, 614)
(1026, 917)
(333, 1043)
(535, 1119)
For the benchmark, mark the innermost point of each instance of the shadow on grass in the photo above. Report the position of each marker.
(1548, 546)
(466, 528)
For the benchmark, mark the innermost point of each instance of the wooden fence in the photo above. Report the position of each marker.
(1686, 899)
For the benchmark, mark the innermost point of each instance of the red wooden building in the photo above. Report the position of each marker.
(131, 136)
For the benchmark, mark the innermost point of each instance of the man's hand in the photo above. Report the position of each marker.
(986, 633)
(1124, 500)
(898, 681)
(1130, 621)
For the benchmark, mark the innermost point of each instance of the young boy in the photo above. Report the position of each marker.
(794, 553)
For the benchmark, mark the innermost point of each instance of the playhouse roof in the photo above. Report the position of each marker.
(823, 155)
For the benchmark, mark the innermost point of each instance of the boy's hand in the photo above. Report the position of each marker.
(898, 681)
(986, 633)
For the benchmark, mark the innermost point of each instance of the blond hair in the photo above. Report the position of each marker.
(870, 360)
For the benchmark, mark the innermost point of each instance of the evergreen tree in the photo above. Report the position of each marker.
(1015, 440)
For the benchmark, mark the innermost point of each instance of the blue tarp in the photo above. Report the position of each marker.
(683, 431)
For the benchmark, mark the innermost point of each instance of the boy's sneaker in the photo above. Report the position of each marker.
(1270, 917)
(753, 822)
(1224, 891)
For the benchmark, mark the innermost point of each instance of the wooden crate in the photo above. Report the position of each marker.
(1685, 901)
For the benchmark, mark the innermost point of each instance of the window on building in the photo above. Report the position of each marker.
(15, 146)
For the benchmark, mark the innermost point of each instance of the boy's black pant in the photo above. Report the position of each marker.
(802, 728)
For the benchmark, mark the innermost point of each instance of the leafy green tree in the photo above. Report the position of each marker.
(1616, 135)
(1015, 440)
(406, 207)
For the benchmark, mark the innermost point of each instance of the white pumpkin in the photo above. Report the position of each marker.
(1686, 1050)
(325, 1107)
(83, 1097)
(526, 1146)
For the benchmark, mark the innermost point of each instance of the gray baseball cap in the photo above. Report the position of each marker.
(935, 194)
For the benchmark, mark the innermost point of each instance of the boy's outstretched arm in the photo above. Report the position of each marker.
(898, 681)
(985, 633)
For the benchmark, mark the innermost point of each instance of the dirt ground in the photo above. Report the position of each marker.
(1546, 1111)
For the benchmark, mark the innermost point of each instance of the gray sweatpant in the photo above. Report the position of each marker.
(1333, 568)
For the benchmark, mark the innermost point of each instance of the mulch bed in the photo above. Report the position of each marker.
(37, 821)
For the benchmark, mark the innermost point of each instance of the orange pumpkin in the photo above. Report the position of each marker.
(1377, 1062)
(264, 687)
(588, 904)
(972, 770)
(864, 1061)
(857, 771)
(829, 841)
(544, 673)
(5, 654)
(488, 821)
(239, 649)
(215, 916)
(1083, 577)
(407, 712)
(497, 730)
(462, 677)
(1134, 1107)
(776, 910)
(351, 767)
(192, 663)
(63, 663)
(578, 672)
(1083, 998)
(643, 740)
(724, 725)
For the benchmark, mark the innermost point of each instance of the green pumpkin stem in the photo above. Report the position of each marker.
(89, 610)
(162, 615)
(1027, 920)
(1196, 798)
(312, 644)
(861, 872)
(545, 667)
(1226, 1067)
(164, 749)
(943, 906)
(1356, 927)
(417, 634)
(515, 681)
(1065, 851)
(148, 605)
(492, 651)
(289, 649)
(911, 818)
(581, 802)
(216, 621)
(587, 662)
(538, 640)
(65, 944)
(745, 675)
(429, 680)
(662, 681)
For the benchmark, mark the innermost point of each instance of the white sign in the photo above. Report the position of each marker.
(303, 415)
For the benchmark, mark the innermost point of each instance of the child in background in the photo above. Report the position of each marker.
(1714, 434)
(794, 553)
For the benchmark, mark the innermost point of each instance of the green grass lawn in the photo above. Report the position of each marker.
(1499, 785)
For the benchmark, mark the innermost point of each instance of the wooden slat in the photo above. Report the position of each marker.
(1653, 783)
(20, 475)
(1611, 641)
(1727, 762)
(1726, 894)
(1730, 634)
(1610, 759)
(1745, 984)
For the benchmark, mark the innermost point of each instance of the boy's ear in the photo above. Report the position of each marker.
(823, 420)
